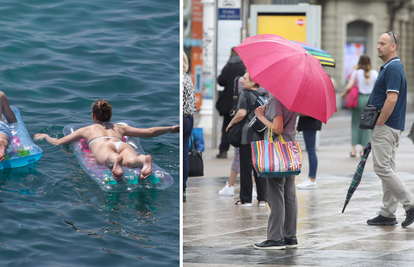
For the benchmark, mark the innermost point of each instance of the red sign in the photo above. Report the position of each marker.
(300, 22)
(197, 19)
(196, 33)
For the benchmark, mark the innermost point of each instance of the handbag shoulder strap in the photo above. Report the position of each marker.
(192, 143)
(356, 77)
(235, 92)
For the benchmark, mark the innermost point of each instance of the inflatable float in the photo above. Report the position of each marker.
(102, 175)
(21, 151)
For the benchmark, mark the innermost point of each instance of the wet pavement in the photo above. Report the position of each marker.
(216, 233)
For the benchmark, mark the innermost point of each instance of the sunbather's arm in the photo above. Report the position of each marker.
(76, 135)
(150, 132)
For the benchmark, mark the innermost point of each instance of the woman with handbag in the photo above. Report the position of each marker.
(189, 108)
(228, 189)
(364, 78)
(248, 136)
(281, 192)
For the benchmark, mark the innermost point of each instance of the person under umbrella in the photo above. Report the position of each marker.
(281, 192)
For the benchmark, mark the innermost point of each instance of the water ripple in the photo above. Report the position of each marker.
(57, 58)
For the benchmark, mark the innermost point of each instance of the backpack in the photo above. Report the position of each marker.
(233, 111)
(235, 132)
(222, 105)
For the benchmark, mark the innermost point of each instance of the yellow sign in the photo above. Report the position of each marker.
(289, 27)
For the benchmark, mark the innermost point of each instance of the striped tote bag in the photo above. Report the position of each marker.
(276, 159)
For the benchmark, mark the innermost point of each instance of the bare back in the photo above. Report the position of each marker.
(99, 138)
(98, 130)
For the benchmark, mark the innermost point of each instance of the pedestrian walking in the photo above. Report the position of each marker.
(364, 78)
(234, 67)
(189, 108)
(390, 94)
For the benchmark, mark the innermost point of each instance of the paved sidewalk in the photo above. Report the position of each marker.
(215, 233)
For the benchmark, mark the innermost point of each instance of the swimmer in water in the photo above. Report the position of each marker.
(105, 141)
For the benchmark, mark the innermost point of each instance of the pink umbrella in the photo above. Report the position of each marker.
(290, 73)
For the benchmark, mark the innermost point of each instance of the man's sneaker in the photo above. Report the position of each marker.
(222, 155)
(307, 184)
(381, 220)
(270, 244)
(291, 242)
(227, 190)
(410, 217)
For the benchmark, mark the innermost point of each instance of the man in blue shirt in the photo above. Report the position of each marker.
(390, 94)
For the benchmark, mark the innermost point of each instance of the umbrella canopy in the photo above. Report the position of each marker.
(321, 55)
(357, 176)
(290, 73)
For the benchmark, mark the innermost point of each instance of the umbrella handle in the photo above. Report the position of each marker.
(252, 121)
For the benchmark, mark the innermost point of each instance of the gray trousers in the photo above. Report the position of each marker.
(283, 218)
(384, 141)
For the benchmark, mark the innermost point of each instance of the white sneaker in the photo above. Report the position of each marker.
(254, 194)
(227, 191)
(307, 184)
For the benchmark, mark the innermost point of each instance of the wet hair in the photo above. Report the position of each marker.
(364, 63)
(102, 110)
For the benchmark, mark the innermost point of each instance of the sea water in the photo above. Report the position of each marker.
(57, 58)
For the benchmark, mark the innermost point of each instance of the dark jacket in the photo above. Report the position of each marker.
(234, 67)
(308, 123)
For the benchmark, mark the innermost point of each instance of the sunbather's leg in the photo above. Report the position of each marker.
(106, 154)
(133, 160)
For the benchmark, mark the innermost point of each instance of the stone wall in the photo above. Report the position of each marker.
(336, 15)
(404, 26)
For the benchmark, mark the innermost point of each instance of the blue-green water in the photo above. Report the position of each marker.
(56, 58)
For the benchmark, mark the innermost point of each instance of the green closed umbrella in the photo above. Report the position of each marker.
(357, 176)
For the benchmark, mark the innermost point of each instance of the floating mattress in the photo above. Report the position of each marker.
(21, 151)
(102, 175)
